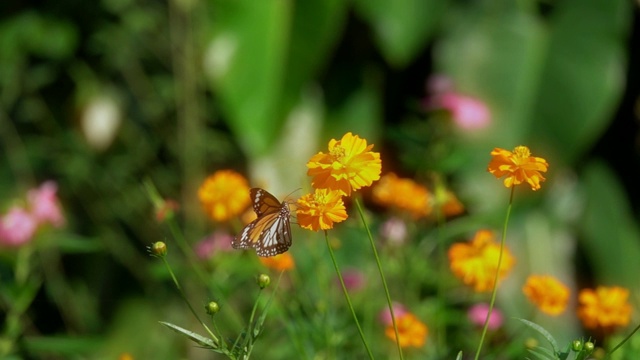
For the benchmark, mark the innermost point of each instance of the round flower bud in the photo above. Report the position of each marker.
(576, 345)
(212, 308)
(159, 248)
(263, 280)
(589, 347)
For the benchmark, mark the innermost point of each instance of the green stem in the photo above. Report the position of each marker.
(623, 341)
(175, 281)
(346, 295)
(497, 276)
(384, 282)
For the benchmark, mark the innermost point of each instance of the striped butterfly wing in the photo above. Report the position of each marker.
(270, 233)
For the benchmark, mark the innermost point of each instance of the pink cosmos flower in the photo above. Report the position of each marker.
(353, 279)
(17, 227)
(398, 311)
(467, 112)
(44, 204)
(218, 241)
(478, 314)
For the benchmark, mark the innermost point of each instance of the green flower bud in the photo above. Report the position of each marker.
(589, 347)
(212, 308)
(159, 249)
(263, 280)
(576, 345)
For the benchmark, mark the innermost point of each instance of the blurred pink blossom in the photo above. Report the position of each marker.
(478, 314)
(218, 241)
(353, 279)
(468, 113)
(17, 227)
(394, 230)
(44, 204)
(398, 311)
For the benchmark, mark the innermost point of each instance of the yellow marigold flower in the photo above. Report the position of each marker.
(604, 308)
(224, 194)
(349, 165)
(411, 331)
(279, 262)
(519, 167)
(547, 293)
(320, 209)
(404, 194)
(475, 263)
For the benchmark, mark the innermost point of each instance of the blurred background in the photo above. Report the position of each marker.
(101, 96)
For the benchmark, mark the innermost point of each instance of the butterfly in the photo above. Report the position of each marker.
(270, 233)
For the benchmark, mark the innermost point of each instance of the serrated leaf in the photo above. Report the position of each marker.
(197, 338)
(543, 332)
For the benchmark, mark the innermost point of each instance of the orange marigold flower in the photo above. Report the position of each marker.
(404, 194)
(349, 165)
(224, 194)
(604, 308)
(320, 209)
(475, 263)
(411, 331)
(547, 293)
(280, 262)
(519, 167)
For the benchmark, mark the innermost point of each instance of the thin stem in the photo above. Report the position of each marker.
(346, 295)
(175, 281)
(497, 276)
(384, 282)
(623, 341)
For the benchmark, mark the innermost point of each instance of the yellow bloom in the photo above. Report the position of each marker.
(475, 263)
(280, 262)
(349, 165)
(604, 308)
(404, 194)
(319, 210)
(224, 194)
(519, 167)
(411, 331)
(547, 293)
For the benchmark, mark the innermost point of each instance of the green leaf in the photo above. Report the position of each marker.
(582, 79)
(459, 357)
(608, 231)
(197, 338)
(402, 27)
(542, 353)
(542, 331)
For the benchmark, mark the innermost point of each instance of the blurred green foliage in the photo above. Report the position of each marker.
(196, 86)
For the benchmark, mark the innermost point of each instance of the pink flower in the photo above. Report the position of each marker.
(478, 314)
(218, 241)
(467, 112)
(44, 204)
(398, 311)
(353, 279)
(394, 230)
(17, 227)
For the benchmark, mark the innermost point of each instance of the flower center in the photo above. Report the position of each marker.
(338, 152)
(522, 152)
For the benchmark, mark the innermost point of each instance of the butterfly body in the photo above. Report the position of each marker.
(270, 233)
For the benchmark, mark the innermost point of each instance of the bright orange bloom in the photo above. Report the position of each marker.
(518, 167)
(475, 263)
(404, 194)
(349, 165)
(547, 293)
(280, 262)
(224, 194)
(411, 331)
(604, 308)
(319, 210)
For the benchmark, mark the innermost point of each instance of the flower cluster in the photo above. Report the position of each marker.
(476, 262)
(348, 166)
(547, 293)
(604, 308)
(20, 223)
(224, 195)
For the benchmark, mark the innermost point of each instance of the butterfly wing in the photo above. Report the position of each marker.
(270, 233)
